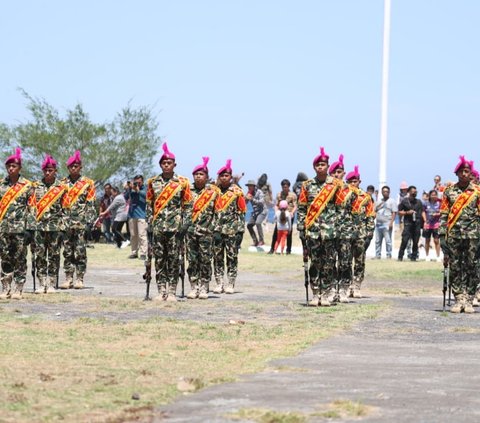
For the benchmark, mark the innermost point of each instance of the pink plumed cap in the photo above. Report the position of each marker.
(463, 162)
(322, 157)
(202, 166)
(167, 154)
(335, 165)
(15, 158)
(76, 158)
(283, 204)
(49, 161)
(227, 168)
(354, 174)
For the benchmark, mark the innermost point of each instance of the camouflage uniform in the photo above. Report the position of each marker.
(80, 211)
(169, 208)
(462, 239)
(200, 239)
(48, 222)
(344, 201)
(364, 224)
(230, 207)
(320, 235)
(13, 249)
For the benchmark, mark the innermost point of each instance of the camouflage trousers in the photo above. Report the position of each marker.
(344, 262)
(75, 252)
(47, 246)
(13, 254)
(200, 253)
(358, 258)
(166, 250)
(227, 246)
(463, 266)
(322, 264)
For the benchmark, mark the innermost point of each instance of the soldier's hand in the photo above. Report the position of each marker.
(444, 246)
(301, 234)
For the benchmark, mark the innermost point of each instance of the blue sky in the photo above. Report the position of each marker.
(265, 83)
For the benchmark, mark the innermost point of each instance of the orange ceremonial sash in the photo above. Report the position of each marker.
(50, 197)
(201, 203)
(224, 200)
(342, 195)
(462, 201)
(319, 203)
(10, 196)
(165, 196)
(74, 193)
(359, 203)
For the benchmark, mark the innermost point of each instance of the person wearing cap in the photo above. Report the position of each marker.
(169, 215)
(48, 223)
(230, 207)
(317, 226)
(80, 212)
(256, 197)
(459, 235)
(14, 194)
(363, 211)
(410, 209)
(283, 224)
(344, 200)
(200, 232)
(291, 198)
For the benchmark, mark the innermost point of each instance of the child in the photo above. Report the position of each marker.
(284, 225)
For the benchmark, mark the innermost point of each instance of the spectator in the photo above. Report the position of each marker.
(431, 217)
(106, 221)
(411, 210)
(371, 191)
(437, 181)
(256, 198)
(118, 211)
(136, 197)
(283, 221)
(386, 210)
(297, 186)
(291, 199)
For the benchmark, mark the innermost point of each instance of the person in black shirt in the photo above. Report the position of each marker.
(411, 210)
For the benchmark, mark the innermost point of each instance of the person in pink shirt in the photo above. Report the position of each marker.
(431, 217)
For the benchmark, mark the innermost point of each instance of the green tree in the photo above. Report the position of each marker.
(113, 150)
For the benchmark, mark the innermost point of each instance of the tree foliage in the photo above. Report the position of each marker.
(112, 150)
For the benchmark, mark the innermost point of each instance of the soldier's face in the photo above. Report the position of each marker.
(13, 169)
(200, 178)
(463, 175)
(74, 169)
(355, 182)
(321, 168)
(224, 179)
(49, 174)
(339, 173)
(167, 165)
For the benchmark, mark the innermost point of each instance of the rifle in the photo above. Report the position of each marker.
(147, 276)
(305, 269)
(32, 249)
(446, 284)
(181, 269)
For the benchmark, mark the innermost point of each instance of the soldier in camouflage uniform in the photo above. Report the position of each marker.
(169, 215)
(363, 211)
(200, 232)
(459, 235)
(80, 211)
(317, 225)
(230, 207)
(47, 222)
(14, 194)
(344, 200)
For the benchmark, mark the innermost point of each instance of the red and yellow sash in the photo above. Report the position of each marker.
(319, 203)
(224, 200)
(10, 196)
(361, 200)
(74, 193)
(462, 201)
(50, 197)
(202, 202)
(165, 196)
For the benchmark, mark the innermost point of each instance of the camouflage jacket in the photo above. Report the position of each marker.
(460, 212)
(14, 205)
(230, 207)
(79, 202)
(344, 200)
(204, 215)
(317, 214)
(169, 203)
(46, 206)
(363, 210)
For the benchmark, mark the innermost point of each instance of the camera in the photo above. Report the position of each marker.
(135, 184)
